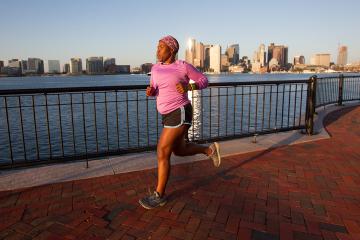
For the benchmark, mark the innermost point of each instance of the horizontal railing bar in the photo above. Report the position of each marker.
(135, 87)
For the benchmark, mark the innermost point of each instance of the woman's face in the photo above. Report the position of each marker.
(163, 52)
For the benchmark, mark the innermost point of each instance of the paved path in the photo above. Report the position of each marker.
(304, 191)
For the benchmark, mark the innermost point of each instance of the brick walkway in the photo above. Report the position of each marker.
(306, 191)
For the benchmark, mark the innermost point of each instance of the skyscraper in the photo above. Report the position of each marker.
(14, 67)
(199, 56)
(94, 65)
(233, 54)
(342, 56)
(278, 52)
(24, 66)
(299, 60)
(14, 63)
(207, 57)
(66, 68)
(194, 53)
(215, 59)
(54, 66)
(76, 65)
(35, 65)
(225, 63)
(190, 51)
(109, 62)
(259, 59)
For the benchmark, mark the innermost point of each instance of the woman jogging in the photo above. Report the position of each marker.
(169, 82)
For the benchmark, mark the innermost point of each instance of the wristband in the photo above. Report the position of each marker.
(192, 86)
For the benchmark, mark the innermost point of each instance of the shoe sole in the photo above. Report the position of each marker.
(217, 146)
(149, 208)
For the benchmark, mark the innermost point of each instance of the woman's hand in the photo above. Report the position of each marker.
(182, 88)
(150, 91)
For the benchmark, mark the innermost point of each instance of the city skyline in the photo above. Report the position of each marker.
(205, 57)
(64, 33)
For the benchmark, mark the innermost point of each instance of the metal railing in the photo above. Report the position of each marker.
(51, 125)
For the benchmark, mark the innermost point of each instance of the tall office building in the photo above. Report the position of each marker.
(14, 63)
(76, 65)
(233, 54)
(24, 66)
(215, 59)
(321, 59)
(207, 57)
(109, 62)
(194, 53)
(259, 59)
(54, 66)
(94, 65)
(225, 63)
(190, 51)
(342, 56)
(199, 56)
(66, 68)
(278, 52)
(35, 65)
(14, 67)
(299, 60)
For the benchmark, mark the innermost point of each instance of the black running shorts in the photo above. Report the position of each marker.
(178, 117)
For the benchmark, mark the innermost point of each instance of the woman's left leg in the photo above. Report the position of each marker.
(184, 148)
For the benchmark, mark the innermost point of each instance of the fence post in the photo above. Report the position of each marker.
(341, 85)
(310, 105)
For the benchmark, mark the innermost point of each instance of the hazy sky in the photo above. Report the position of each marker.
(129, 30)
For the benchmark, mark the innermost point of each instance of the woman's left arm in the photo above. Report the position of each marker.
(201, 81)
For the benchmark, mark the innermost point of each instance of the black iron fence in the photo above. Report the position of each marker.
(47, 125)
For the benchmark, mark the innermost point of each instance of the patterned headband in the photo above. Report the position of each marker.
(171, 42)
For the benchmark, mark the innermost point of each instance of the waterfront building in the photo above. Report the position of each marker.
(54, 66)
(94, 65)
(279, 53)
(233, 54)
(24, 66)
(225, 63)
(13, 68)
(76, 65)
(215, 59)
(259, 59)
(109, 62)
(66, 68)
(299, 60)
(35, 65)
(342, 56)
(321, 59)
(194, 53)
(146, 67)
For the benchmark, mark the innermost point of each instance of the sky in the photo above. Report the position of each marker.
(129, 30)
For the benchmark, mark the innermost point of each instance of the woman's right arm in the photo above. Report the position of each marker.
(152, 89)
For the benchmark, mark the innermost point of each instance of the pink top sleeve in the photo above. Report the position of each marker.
(199, 78)
(153, 85)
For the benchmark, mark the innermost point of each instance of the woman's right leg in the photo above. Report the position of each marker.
(167, 141)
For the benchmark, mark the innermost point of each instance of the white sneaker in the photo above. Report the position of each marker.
(215, 156)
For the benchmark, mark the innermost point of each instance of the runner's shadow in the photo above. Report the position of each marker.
(224, 173)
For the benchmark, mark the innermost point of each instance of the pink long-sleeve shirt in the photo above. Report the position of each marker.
(164, 78)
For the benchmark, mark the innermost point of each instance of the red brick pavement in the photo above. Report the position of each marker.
(306, 191)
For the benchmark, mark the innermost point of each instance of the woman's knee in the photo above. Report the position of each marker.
(163, 153)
